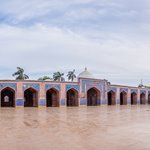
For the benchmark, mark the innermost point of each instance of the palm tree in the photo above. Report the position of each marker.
(20, 74)
(58, 76)
(71, 75)
(45, 78)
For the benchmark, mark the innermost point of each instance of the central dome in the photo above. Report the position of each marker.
(86, 74)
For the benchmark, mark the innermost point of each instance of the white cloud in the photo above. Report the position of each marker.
(109, 37)
(44, 49)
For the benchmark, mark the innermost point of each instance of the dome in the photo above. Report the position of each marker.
(86, 74)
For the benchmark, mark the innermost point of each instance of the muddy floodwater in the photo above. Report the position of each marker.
(89, 128)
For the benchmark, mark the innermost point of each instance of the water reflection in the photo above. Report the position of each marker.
(109, 127)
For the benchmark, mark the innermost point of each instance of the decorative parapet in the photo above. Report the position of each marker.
(11, 85)
(134, 91)
(124, 89)
(55, 86)
(112, 89)
(143, 91)
(87, 84)
(34, 86)
(76, 87)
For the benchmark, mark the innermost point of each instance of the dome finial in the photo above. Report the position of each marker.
(86, 74)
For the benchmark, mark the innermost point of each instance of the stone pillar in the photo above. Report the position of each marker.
(148, 97)
(104, 100)
(146, 102)
(42, 95)
(129, 97)
(138, 96)
(102, 97)
(118, 96)
(63, 98)
(83, 95)
(19, 95)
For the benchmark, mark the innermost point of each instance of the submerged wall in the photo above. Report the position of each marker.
(85, 92)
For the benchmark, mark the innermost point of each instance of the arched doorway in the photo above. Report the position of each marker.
(133, 98)
(142, 98)
(7, 97)
(93, 97)
(111, 98)
(123, 98)
(52, 98)
(72, 97)
(148, 98)
(30, 98)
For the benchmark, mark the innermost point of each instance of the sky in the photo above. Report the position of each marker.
(109, 37)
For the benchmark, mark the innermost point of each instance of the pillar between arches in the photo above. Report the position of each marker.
(118, 96)
(138, 97)
(42, 96)
(146, 102)
(63, 99)
(129, 97)
(19, 101)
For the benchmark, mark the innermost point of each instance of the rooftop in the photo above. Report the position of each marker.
(86, 74)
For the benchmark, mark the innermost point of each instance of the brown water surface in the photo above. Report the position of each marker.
(89, 128)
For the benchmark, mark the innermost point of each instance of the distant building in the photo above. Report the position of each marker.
(87, 91)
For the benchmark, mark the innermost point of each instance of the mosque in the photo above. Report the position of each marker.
(87, 91)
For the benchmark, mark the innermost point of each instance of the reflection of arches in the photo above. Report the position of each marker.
(142, 98)
(111, 98)
(93, 97)
(7, 97)
(52, 98)
(148, 98)
(123, 98)
(72, 97)
(30, 97)
(133, 98)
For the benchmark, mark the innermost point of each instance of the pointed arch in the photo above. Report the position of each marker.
(123, 98)
(52, 98)
(142, 98)
(30, 97)
(93, 97)
(111, 98)
(133, 98)
(149, 98)
(7, 97)
(72, 97)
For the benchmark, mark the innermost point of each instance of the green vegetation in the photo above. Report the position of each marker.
(71, 75)
(20, 74)
(44, 78)
(58, 76)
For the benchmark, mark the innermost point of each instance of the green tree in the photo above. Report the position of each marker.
(71, 75)
(20, 74)
(45, 78)
(58, 76)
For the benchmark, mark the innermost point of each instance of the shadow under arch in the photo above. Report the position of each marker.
(149, 98)
(142, 98)
(52, 98)
(111, 95)
(133, 98)
(30, 97)
(8, 97)
(123, 98)
(93, 97)
(72, 97)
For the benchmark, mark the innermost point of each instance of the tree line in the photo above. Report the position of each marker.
(57, 76)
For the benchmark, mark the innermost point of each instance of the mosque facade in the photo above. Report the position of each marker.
(87, 91)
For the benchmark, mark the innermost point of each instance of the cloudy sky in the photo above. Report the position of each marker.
(109, 37)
